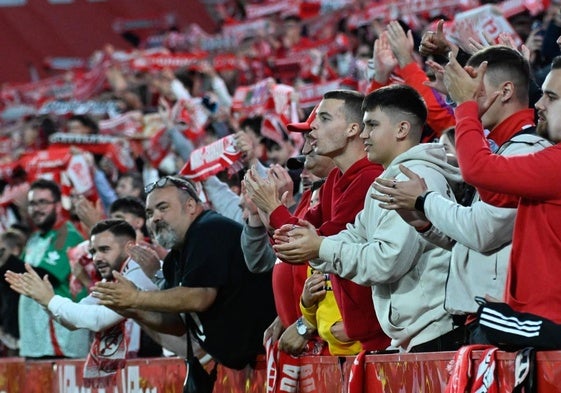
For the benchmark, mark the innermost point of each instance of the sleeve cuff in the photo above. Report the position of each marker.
(327, 250)
(468, 109)
(280, 216)
(55, 304)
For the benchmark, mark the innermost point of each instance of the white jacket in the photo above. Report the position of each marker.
(481, 236)
(406, 272)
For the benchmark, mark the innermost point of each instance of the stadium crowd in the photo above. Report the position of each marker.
(309, 179)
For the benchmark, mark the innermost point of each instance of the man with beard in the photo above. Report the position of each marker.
(480, 235)
(533, 178)
(109, 242)
(40, 335)
(206, 282)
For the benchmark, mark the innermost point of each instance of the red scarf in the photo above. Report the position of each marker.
(356, 378)
(462, 379)
(285, 372)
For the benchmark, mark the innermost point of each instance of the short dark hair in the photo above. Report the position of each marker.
(45, 184)
(556, 63)
(398, 98)
(130, 205)
(86, 121)
(504, 63)
(253, 122)
(119, 228)
(13, 238)
(136, 180)
(352, 103)
(270, 144)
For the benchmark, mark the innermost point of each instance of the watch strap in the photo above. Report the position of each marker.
(420, 202)
(302, 328)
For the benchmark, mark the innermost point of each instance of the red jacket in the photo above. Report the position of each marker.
(289, 279)
(532, 282)
(341, 199)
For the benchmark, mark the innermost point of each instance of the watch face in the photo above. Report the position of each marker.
(300, 327)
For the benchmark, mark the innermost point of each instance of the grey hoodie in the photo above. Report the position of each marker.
(406, 272)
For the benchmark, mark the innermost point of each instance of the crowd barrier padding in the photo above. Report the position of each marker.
(387, 373)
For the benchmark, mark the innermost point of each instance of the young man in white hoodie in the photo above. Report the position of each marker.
(407, 274)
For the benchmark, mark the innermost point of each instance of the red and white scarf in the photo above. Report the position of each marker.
(462, 379)
(285, 374)
(356, 378)
(107, 355)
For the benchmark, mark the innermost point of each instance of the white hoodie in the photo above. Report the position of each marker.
(406, 272)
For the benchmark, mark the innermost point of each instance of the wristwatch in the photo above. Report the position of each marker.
(420, 202)
(302, 329)
(159, 275)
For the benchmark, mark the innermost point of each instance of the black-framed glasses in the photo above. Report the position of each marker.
(178, 182)
(41, 203)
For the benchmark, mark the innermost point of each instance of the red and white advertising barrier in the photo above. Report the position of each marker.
(422, 372)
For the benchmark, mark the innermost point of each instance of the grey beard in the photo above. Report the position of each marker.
(166, 237)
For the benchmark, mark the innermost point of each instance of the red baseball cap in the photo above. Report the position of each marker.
(305, 126)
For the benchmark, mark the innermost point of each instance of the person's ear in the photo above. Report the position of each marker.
(138, 223)
(507, 91)
(191, 205)
(403, 130)
(353, 130)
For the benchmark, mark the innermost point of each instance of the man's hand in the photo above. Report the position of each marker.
(463, 86)
(31, 285)
(303, 242)
(395, 194)
(401, 196)
(435, 42)
(81, 274)
(273, 332)
(401, 43)
(118, 294)
(160, 251)
(245, 146)
(383, 59)
(165, 112)
(438, 71)
(146, 257)
(284, 184)
(263, 192)
(291, 342)
(88, 213)
(314, 289)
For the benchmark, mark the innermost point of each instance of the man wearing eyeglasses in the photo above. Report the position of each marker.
(40, 335)
(206, 280)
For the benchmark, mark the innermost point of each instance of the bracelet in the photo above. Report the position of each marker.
(420, 202)
(424, 228)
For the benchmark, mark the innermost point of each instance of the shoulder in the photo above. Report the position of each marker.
(73, 233)
(211, 225)
(363, 173)
(524, 143)
(210, 219)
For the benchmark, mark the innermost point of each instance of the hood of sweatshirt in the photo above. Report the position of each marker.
(432, 155)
